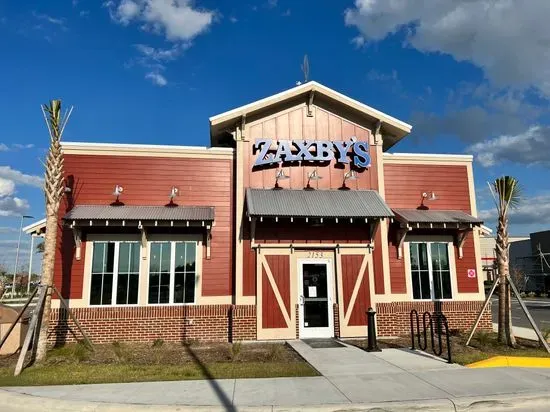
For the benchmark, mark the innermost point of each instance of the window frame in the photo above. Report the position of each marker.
(115, 273)
(172, 271)
(450, 256)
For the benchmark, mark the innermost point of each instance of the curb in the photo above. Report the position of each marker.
(17, 402)
(511, 362)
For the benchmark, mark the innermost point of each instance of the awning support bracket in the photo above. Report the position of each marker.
(77, 234)
(460, 238)
(143, 243)
(400, 239)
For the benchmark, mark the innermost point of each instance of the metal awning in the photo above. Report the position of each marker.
(287, 203)
(440, 218)
(173, 215)
(459, 222)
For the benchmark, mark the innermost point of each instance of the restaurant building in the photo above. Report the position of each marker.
(291, 225)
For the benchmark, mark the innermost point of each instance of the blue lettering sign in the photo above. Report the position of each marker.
(312, 151)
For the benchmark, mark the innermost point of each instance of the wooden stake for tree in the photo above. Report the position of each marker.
(19, 316)
(32, 328)
(521, 303)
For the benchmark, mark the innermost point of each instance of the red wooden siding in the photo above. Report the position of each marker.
(362, 303)
(280, 269)
(350, 271)
(272, 316)
(249, 269)
(351, 265)
(468, 261)
(405, 184)
(301, 232)
(147, 181)
(398, 282)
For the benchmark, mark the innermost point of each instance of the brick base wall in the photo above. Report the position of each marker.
(206, 323)
(393, 319)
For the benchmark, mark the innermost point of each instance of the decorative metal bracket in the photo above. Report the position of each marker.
(208, 239)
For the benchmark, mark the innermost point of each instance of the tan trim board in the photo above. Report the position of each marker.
(426, 159)
(115, 149)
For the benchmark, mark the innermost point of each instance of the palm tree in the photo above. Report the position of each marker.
(506, 194)
(53, 190)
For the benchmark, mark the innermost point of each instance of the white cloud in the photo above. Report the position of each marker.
(532, 147)
(13, 206)
(358, 41)
(3, 147)
(6, 229)
(160, 55)
(233, 19)
(157, 79)
(23, 146)
(507, 39)
(20, 178)
(177, 19)
(84, 13)
(533, 210)
(7, 187)
(58, 21)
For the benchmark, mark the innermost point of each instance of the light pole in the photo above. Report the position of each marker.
(17, 253)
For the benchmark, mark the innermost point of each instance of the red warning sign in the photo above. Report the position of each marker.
(471, 273)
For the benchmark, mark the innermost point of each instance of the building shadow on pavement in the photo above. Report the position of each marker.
(226, 402)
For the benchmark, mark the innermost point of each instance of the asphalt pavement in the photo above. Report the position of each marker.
(538, 308)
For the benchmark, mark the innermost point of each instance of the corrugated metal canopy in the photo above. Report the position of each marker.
(316, 203)
(435, 216)
(100, 212)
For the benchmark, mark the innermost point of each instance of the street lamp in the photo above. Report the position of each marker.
(17, 253)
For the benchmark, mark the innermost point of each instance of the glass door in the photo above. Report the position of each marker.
(316, 312)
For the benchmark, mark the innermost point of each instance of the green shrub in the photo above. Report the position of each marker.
(157, 343)
(275, 352)
(483, 337)
(234, 350)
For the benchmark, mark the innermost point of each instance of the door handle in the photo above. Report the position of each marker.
(302, 300)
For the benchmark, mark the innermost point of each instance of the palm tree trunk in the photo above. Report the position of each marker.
(53, 190)
(47, 279)
(504, 302)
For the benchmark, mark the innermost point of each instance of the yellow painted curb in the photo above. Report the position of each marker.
(511, 361)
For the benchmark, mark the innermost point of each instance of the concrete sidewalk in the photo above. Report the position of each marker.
(393, 380)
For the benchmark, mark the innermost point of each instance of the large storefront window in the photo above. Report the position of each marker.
(115, 273)
(430, 270)
(172, 272)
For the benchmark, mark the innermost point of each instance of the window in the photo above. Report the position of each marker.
(115, 273)
(172, 272)
(430, 270)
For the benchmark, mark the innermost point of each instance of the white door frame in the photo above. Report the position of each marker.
(327, 332)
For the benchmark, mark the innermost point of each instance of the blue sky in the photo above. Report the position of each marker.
(470, 76)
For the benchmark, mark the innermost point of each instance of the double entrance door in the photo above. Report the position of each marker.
(315, 290)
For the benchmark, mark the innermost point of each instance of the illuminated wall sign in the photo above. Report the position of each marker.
(312, 151)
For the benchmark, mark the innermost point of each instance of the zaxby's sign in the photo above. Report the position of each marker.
(311, 151)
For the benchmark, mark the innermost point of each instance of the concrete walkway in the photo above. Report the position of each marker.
(394, 380)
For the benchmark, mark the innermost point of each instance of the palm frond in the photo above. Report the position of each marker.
(506, 191)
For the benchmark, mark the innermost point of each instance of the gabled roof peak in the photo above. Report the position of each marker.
(394, 128)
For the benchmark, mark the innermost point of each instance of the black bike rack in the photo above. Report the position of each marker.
(428, 322)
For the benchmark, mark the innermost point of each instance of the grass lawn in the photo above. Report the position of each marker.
(483, 346)
(121, 362)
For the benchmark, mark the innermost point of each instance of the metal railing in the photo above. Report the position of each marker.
(441, 325)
